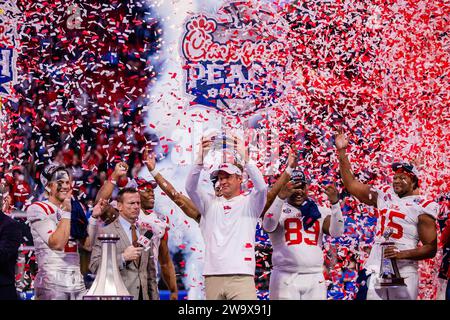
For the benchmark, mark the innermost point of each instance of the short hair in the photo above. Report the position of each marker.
(125, 190)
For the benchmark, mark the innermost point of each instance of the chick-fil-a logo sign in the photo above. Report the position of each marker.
(237, 60)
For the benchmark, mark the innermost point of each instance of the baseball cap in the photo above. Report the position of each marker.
(226, 167)
(405, 167)
(298, 176)
(54, 172)
(141, 184)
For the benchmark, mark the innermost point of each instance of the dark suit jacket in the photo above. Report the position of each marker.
(132, 276)
(10, 240)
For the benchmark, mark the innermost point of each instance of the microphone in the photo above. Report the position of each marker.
(145, 240)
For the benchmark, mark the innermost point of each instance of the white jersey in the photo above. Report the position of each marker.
(157, 226)
(401, 215)
(229, 226)
(53, 265)
(295, 249)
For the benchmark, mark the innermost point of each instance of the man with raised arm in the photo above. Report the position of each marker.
(183, 202)
(228, 225)
(296, 226)
(409, 216)
(148, 220)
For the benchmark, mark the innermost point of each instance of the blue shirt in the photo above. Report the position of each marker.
(127, 228)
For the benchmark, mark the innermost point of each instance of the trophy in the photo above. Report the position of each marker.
(224, 145)
(108, 284)
(389, 275)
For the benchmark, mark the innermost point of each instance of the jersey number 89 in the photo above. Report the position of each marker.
(294, 233)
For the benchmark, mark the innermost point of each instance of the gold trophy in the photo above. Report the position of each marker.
(389, 275)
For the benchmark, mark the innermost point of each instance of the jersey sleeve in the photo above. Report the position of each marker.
(40, 221)
(272, 217)
(258, 196)
(199, 197)
(428, 207)
(383, 195)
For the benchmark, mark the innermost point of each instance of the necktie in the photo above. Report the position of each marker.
(135, 243)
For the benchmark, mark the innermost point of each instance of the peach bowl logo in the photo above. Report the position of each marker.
(237, 60)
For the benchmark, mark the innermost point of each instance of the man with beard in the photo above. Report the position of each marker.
(403, 212)
(296, 226)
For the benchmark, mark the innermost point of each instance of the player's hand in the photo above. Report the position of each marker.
(392, 252)
(239, 146)
(149, 159)
(99, 207)
(332, 193)
(293, 157)
(67, 203)
(132, 253)
(205, 146)
(340, 140)
(289, 189)
(120, 170)
(7, 203)
(174, 295)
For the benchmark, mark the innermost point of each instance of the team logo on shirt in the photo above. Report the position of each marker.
(58, 216)
(227, 209)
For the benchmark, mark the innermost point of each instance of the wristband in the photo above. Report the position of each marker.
(114, 182)
(65, 214)
(289, 170)
(154, 172)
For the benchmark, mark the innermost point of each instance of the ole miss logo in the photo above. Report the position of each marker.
(236, 61)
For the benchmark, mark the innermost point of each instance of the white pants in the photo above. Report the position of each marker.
(297, 286)
(58, 294)
(410, 292)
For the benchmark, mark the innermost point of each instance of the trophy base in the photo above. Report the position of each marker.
(390, 283)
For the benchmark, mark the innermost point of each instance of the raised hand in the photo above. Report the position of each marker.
(205, 146)
(332, 193)
(340, 140)
(241, 149)
(289, 189)
(293, 158)
(120, 170)
(99, 207)
(149, 159)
